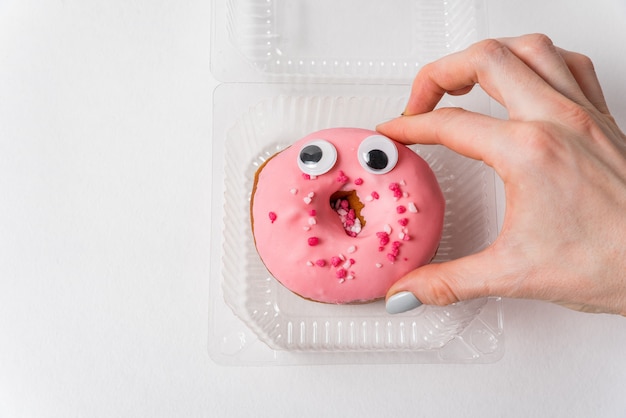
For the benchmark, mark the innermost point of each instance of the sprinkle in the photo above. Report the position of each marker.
(413, 208)
(403, 221)
(351, 249)
(294, 191)
(307, 200)
(350, 276)
(272, 216)
(306, 176)
(342, 257)
(312, 177)
(383, 238)
(335, 261)
(321, 262)
(347, 264)
(401, 235)
(387, 229)
(341, 273)
(358, 181)
(375, 195)
(406, 237)
(312, 221)
(306, 228)
(342, 178)
(369, 198)
(342, 280)
(309, 263)
(313, 241)
(312, 212)
(391, 257)
(400, 209)
(311, 194)
(378, 265)
(402, 183)
(405, 194)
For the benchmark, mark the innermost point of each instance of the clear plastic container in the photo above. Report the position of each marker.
(293, 67)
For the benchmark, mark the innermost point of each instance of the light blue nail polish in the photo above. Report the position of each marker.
(402, 302)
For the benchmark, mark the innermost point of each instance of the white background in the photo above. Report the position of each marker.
(105, 197)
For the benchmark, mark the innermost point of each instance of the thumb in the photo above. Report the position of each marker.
(441, 284)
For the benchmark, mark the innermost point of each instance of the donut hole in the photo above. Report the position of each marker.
(348, 207)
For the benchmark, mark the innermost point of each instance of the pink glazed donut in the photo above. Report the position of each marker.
(343, 213)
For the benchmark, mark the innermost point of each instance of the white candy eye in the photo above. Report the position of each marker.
(378, 154)
(317, 157)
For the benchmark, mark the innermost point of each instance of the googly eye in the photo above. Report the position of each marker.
(378, 154)
(317, 157)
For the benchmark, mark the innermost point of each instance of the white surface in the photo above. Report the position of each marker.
(104, 236)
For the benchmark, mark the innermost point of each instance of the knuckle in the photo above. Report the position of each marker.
(489, 50)
(537, 42)
(440, 293)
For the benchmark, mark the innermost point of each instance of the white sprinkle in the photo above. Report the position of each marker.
(306, 228)
(311, 195)
(378, 265)
(312, 221)
(351, 249)
(350, 277)
(347, 264)
(341, 280)
(309, 263)
(342, 212)
(401, 235)
(369, 198)
(405, 194)
(294, 191)
(387, 229)
(342, 257)
(313, 178)
(412, 207)
(402, 183)
(307, 200)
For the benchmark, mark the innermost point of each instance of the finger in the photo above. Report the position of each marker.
(478, 275)
(503, 75)
(538, 52)
(584, 72)
(473, 135)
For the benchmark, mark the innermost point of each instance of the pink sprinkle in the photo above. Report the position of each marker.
(272, 216)
(352, 261)
(381, 249)
(391, 257)
(406, 237)
(341, 273)
(306, 176)
(400, 209)
(351, 214)
(345, 204)
(335, 261)
(394, 186)
(396, 244)
(383, 237)
(342, 178)
(313, 241)
(403, 221)
(321, 262)
(358, 181)
(312, 212)
(375, 195)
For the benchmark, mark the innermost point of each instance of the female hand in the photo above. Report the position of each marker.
(563, 162)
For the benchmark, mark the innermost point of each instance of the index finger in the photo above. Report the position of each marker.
(499, 72)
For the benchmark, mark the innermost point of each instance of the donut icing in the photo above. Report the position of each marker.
(341, 227)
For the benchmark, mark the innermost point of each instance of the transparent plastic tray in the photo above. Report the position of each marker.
(253, 319)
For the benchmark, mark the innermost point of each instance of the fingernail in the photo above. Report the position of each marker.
(402, 302)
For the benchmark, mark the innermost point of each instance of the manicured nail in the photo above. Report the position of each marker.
(402, 302)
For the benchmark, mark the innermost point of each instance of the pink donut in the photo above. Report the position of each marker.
(343, 213)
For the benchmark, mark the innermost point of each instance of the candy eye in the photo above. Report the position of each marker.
(317, 157)
(378, 154)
